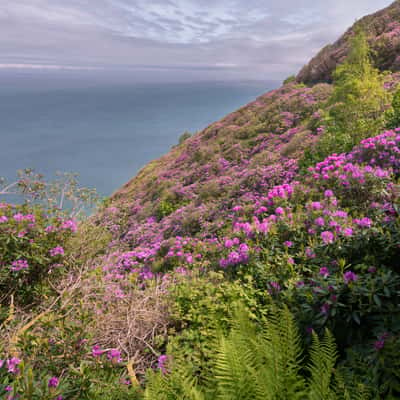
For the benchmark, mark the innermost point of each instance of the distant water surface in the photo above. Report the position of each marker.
(107, 133)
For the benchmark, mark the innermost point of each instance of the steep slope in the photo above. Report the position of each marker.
(383, 30)
(153, 279)
(234, 161)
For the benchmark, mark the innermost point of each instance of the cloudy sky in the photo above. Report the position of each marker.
(177, 39)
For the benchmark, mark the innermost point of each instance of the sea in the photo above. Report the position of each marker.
(103, 131)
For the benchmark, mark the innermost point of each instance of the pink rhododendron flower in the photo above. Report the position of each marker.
(348, 232)
(325, 308)
(57, 251)
(319, 221)
(162, 362)
(69, 224)
(114, 355)
(324, 271)
(53, 382)
(228, 243)
(18, 217)
(12, 365)
(19, 265)
(364, 222)
(350, 276)
(96, 351)
(279, 211)
(327, 237)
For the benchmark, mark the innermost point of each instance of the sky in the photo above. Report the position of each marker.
(173, 40)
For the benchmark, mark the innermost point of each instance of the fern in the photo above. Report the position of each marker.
(261, 364)
(323, 359)
(346, 389)
(172, 387)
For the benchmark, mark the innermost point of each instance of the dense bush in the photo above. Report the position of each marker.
(31, 247)
(357, 105)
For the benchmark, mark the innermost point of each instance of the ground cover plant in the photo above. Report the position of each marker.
(239, 265)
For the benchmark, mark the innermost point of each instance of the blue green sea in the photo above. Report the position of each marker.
(105, 132)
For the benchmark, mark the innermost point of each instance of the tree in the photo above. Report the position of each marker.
(393, 114)
(357, 105)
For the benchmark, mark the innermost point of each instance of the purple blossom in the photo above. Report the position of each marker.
(96, 351)
(340, 214)
(114, 355)
(364, 222)
(69, 224)
(319, 221)
(53, 382)
(316, 205)
(19, 265)
(279, 211)
(325, 308)
(12, 365)
(324, 271)
(18, 217)
(350, 276)
(161, 363)
(56, 251)
(327, 237)
(275, 286)
(379, 344)
(348, 232)
(228, 243)
(310, 252)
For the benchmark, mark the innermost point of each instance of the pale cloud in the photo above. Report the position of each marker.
(238, 39)
(49, 67)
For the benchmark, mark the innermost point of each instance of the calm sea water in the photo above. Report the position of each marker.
(107, 133)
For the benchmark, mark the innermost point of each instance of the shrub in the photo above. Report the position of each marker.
(393, 114)
(186, 135)
(202, 307)
(32, 247)
(356, 106)
(289, 79)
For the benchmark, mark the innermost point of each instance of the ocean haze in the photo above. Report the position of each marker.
(105, 131)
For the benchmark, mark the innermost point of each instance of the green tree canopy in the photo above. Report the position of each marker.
(356, 109)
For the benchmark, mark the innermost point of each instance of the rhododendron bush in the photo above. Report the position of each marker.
(234, 217)
(31, 248)
(325, 243)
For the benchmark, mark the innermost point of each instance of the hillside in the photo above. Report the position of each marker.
(383, 29)
(258, 259)
(237, 159)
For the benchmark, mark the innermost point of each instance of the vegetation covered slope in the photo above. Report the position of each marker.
(240, 265)
(383, 30)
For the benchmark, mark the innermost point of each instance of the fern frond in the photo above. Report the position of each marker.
(323, 357)
(347, 388)
(232, 372)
